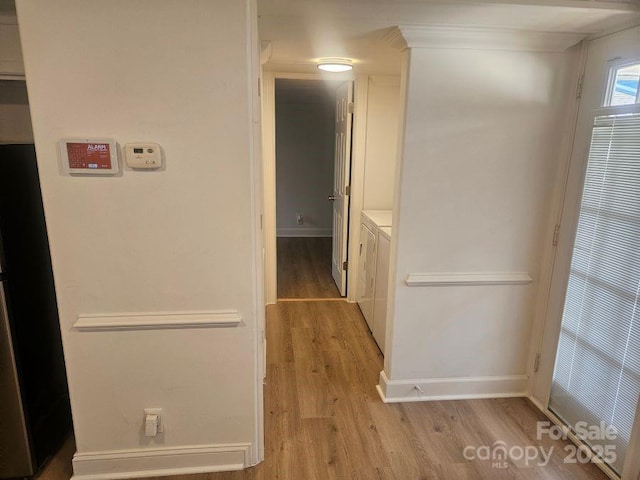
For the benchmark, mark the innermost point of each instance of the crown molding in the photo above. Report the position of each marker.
(480, 38)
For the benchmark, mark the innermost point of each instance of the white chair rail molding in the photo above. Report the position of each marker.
(157, 320)
(440, 279)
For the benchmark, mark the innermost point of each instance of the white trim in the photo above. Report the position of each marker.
(631, 467)
(358, 160)
(480, 38)
(547, 265)
(440, 279)
(151, 320)
(456, 388)
(617, 110)
(160, 462)
(304, 232)
(269, 170)
(396, 209)
(269, 187)
(257, 197)
(614, 65)
(608, 471)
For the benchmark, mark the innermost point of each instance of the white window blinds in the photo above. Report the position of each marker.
(597, 372)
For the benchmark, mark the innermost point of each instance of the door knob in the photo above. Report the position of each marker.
(331, 198)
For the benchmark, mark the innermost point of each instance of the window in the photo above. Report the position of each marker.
(623, 86)
(597, 371)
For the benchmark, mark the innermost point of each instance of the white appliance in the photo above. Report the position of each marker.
(371, 222)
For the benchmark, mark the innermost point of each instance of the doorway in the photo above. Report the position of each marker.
(312, 143)
(589, 381)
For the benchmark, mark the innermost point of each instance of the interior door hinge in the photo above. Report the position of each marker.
(350, 107)
(347, 190)
(536, 363)
(345, 265)
(579, 87)
(556, 235)
(259, 87)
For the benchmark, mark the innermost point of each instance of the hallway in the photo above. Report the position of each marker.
(304, 268)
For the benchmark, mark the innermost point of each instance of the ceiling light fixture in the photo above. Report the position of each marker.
(335, 65)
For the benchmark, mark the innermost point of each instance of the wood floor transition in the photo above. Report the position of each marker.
(324, 419)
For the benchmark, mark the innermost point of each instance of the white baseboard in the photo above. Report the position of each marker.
(459, 388)
(304, 232)
(160, 462)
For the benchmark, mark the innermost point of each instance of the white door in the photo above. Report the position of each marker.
(341, 179)
(589, 363)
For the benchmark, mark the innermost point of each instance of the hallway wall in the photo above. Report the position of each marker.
(480, 144)
(305, 138)
(383, 121)
(166, 243)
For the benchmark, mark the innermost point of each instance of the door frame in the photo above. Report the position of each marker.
(559, 283)
(557, 260)
(360, 94)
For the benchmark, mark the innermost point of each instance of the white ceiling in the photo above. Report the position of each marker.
(301, 31)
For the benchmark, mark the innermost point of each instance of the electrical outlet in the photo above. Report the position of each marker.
(299, 218)
(156, 411)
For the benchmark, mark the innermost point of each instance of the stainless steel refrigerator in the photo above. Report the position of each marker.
(34, 403)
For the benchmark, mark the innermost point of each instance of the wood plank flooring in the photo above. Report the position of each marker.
(324, 419)
(304, 268)
(59, 467)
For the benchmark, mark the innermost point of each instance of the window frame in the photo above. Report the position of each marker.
(614, 66)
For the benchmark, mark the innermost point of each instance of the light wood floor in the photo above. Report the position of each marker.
(324, 419)
(59, 467)
(304, 268)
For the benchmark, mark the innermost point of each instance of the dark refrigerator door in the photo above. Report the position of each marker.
(15, 454)
(31, 302)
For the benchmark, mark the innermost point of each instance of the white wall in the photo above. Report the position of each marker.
(480, 143)
(178, 73)
(383, 110)
(15, 119)
(305, 137)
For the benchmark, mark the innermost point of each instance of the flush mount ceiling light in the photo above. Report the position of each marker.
(335, 65)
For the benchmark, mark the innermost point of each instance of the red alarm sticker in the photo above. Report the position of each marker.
(90, 156)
